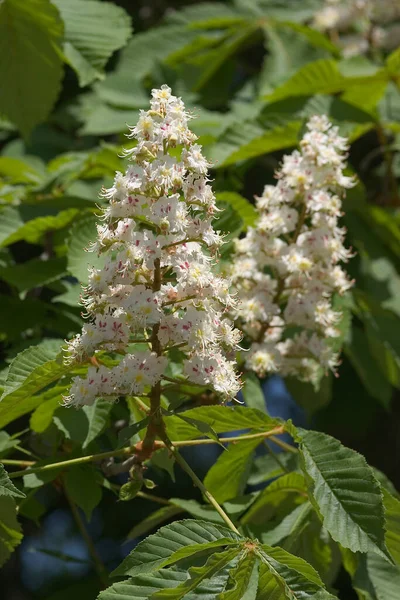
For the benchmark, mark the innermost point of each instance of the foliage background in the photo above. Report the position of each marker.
(73, 74)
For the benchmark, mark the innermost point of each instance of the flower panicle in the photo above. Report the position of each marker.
(287, 269)
(157, 284)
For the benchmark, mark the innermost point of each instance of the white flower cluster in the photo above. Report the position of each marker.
(361, 23)
(157, 286)
(286, 268)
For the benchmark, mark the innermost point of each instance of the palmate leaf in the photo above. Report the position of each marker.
(93, 31)
(175, 542)
(345, 490)
(32, 370)
(30, 60)
(228, 476)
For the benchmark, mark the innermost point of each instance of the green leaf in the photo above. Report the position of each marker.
(83, 425)
(385, 577)
(50, 401)
(174, 542)
(156, 518)
(93, 31)
(32, 370)
(290, 485)
(82, 233)
(240, 205)
(215, 563)
(221, 418)
(359, 353)
(10, 529)
(239, 578)
(7, 488)
(82, 486)
(130, 490)
(228, 476)
(30, 64)
(144, 586)
(252, 392)
(148, 48)
(345, 490)
(319, 77)
(34, 273)
(32, 231)
(249, 141)
(10, 221)
(285, 576)
(306, 394)
(392, 522)
(19, 171)
(290, 525)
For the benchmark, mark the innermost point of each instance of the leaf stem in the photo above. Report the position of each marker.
(97, 562)
(133, 450)
(188, 469)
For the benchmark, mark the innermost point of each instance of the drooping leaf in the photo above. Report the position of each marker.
(227, 477)
(252, 392)
(82, 486)
(345, 490)
(93, 31)
(174, 542)
(85, 425)
(32, 370)
(156, 518)
(290, 485)
(33, 231)
(221, 418)
(83, 232)
(49, 402)
(34, 273)
(30, 60)
(249, 141)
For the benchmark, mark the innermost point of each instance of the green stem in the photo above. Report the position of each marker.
(283, 445)
(98, 565)
(187, 468)
(133, 450)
